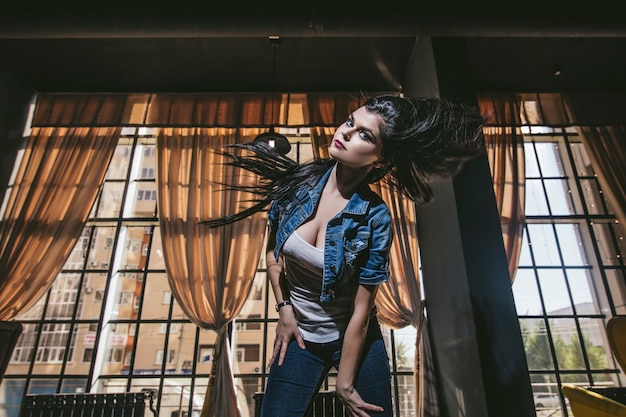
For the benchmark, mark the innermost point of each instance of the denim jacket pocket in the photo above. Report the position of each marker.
(353, 248)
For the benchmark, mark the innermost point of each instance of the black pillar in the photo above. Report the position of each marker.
(477, 347)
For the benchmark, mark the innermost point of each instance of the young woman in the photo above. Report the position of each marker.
(329, 241)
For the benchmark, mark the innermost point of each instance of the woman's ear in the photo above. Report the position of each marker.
(380, 163)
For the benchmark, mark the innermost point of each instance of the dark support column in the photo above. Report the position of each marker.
(15, 98)
(475, 336)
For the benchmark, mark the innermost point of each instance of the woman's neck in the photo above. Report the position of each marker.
(347, 180)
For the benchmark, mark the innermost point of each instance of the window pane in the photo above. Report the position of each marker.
(150, 342)
(118, 168)
(531, 160)
(101, 249)
(93, 290)
(133, 255)
(549, 159)
(405, 339)
(144, 202)
(581, 160)
(567, 344)
(156, 285)
(156, 260)
(593, 198)
(74, 385)
(605, 241)
(571, 244)
(536, 344)
(559, 197)
(526, 293)
(616, 279)
(536, 203)
(583, 294)
(543, 244)
(525, 254)
(554, 291)
(110, 200)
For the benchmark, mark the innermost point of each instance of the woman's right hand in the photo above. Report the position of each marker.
(286, 329)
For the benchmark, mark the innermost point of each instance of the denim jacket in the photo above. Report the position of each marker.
(357, 239)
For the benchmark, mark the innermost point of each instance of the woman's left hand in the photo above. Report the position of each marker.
(354, 404)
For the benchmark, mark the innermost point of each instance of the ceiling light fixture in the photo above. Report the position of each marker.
(275, 140)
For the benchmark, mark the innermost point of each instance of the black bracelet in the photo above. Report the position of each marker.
(284, 303)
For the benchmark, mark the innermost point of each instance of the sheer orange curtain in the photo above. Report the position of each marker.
(56, 184)
(600, 121)
(210, 271)
(399, 301)
(505, 151)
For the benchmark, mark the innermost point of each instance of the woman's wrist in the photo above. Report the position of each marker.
(344, 388)
(282, 304)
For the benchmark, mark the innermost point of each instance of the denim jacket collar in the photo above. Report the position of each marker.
(357, 205)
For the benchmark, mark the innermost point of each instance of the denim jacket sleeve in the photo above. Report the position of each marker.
(272, 216)
(376, 268)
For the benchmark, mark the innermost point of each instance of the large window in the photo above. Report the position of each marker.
(110, 323)
(571, 277)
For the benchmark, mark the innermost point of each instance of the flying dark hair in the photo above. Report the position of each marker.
(279, 176)
(424, 139)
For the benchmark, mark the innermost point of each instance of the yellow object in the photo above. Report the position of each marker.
(616, 333)
(585, 403)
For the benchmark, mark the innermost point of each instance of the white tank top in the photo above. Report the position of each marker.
(318, 322)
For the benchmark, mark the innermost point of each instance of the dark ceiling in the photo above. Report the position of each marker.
(320, 50)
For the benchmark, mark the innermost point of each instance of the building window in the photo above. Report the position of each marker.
(114, 355)
(171, 355)
(247, 353)
(167, 328)
(87, 354)
(205, 353)
(167, 297)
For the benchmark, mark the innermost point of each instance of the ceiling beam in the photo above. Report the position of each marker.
(193, 23)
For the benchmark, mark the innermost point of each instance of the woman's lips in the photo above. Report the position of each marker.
(338, 144)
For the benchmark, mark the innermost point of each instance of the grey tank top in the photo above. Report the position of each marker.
(318, 322)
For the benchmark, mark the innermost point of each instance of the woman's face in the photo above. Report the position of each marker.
(357, 141)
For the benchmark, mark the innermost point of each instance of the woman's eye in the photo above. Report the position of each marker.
(349, 122)
(365, 135)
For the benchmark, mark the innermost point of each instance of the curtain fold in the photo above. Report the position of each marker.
(213, 110)
(102, 110)
(57, 182)
(505, 152)
(332, 109)
(210, 271)
(399, 301)
(600, 121)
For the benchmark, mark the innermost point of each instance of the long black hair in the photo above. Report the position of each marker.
(278, 176)
(424, 139)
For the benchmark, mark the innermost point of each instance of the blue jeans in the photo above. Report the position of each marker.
(291, 387)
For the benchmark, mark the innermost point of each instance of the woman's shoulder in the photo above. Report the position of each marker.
(375, 202)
